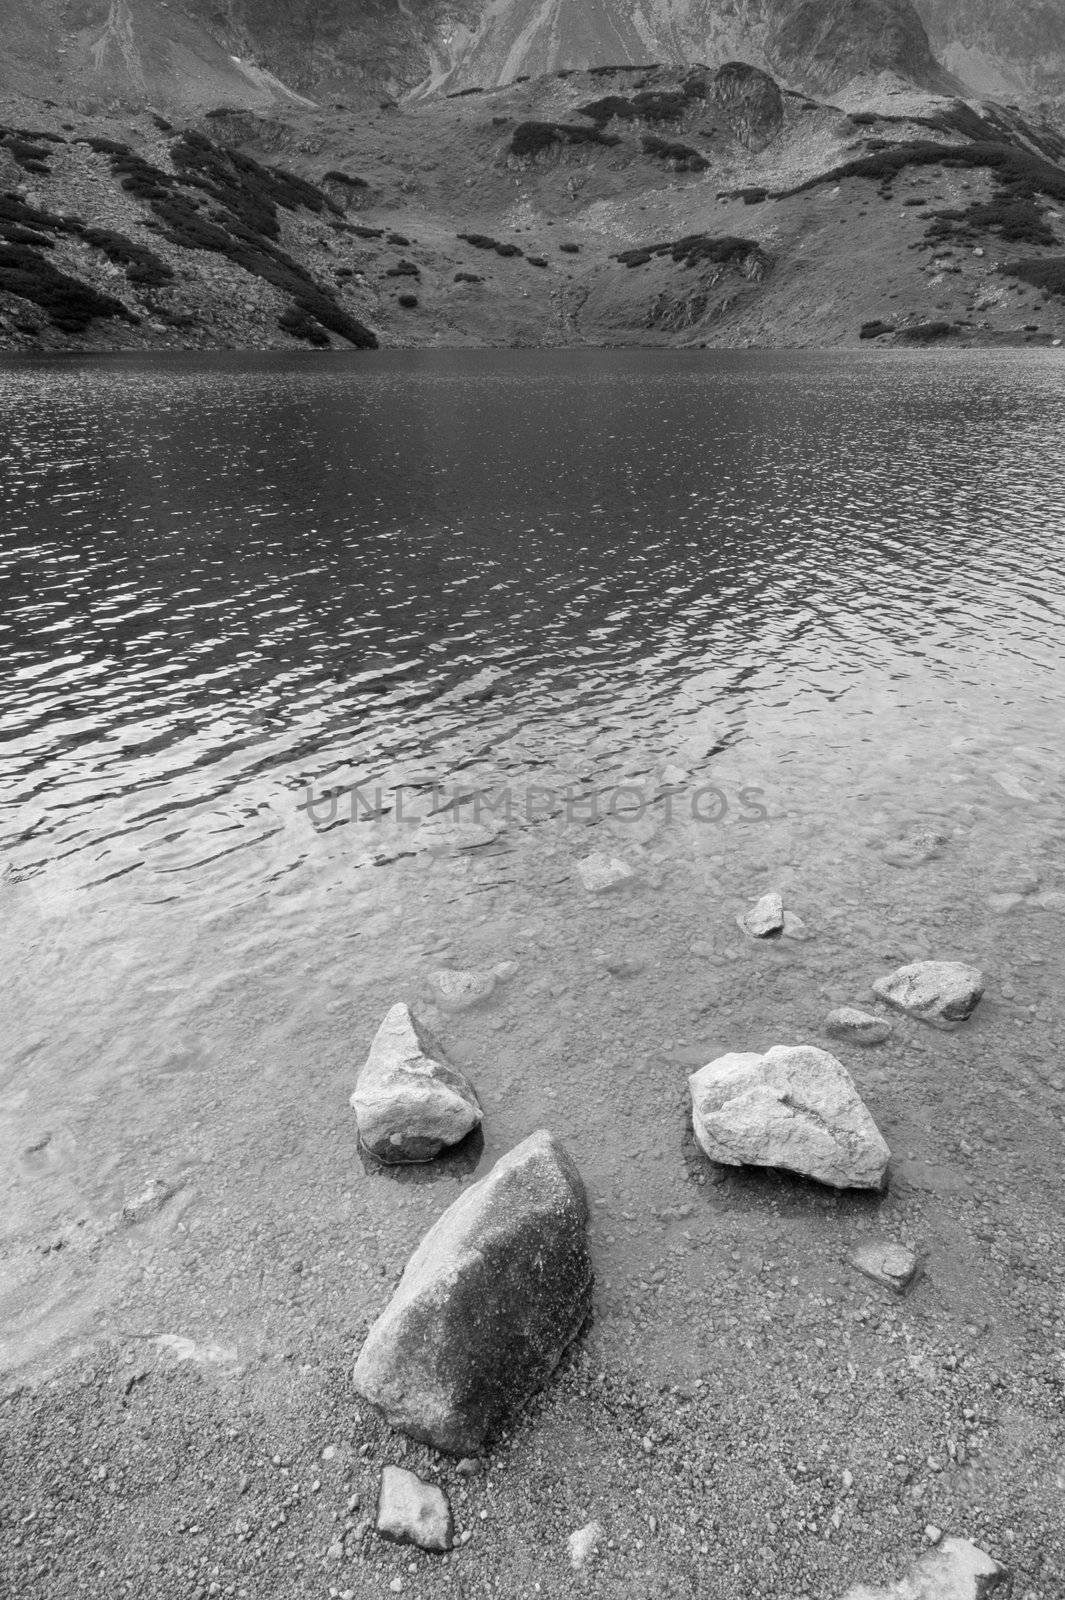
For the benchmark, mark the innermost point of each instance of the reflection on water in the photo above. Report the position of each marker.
(837, 585)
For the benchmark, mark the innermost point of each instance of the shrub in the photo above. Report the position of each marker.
(696, 247)
(1016, 218)
(1018, 171)
(142, 266)
(484, 241)
(468, 277)
(651, 105)
(403, 269)
(344, 178)
(295, 321)
(873, 330)
(398, 238)
(925, 332)
(570, 249)
(537, 261)
(1047, 274)
(408, 301)
(69, 304)
(530, 138)
(685, 158)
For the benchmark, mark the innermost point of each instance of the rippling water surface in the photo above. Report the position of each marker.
(744, 622)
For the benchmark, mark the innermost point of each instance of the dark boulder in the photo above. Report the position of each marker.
(487, 1304)
(751, 103)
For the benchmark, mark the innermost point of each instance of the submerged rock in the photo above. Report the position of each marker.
(892, 1265)
(955, 1570)
(857, 1027)
(795, 1107)
(457, 990)
(765, 919)
(412, 1512)
(599, 872)
(487, 1304)
(934, 991)
(409, 1101)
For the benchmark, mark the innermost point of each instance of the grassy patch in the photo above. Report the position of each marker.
(296, 322)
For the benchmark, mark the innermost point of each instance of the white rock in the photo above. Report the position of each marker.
(409, 1101)
(892, 1265)
(765, 919)
(599, 872)
(794, 927)
(954, 1570)
(412, 1512)
(857, 1027)
(794, 1107)
(583, 1543)
(934, 991)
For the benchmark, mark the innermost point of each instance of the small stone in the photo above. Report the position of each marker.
(891, 1265)
(932, 1533)
(856, 1027)
(412, 1512)
(765, 920)
(794, 927)
(933, 991)
(583, 1543)
(599, 872)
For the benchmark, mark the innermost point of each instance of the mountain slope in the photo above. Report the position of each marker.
(1007, 48)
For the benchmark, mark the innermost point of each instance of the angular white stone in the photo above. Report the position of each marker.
(955, 1570)
(934, 991)
(599, 872)
(765, 919)
(412, 1512)
(794, 1107)
(583, 1543)
(409, 1101)
(458, 990)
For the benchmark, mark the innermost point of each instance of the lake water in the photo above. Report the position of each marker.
(741, 621)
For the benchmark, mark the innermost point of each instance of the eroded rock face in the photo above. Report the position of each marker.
(488, 1302)
(412, 1512)
(409, 1101)
(751, 103)
(795, 1107)
(934, 991)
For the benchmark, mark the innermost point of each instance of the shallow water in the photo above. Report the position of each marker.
(741, 621)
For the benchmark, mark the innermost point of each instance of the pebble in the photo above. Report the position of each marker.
(412, 1512)
(599, 872)
(765, 919)
(892, 1265)
(583, 1543)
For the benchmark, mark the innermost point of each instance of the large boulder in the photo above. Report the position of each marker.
(409, 1101)
(487, 1304)
(934, 991)
(794, 1107)
(751, 103)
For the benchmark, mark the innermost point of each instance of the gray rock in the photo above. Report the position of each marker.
(891, 1265)
(599, 872)
(409, 1101)
(857, 1027)
(795, 1107)
(496, 1290)
(934, 991)
(794, 927)
(412, 1512)
(765, 920)
(954, 1570)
